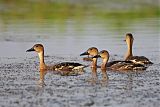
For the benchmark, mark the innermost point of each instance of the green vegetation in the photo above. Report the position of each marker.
(121, 11)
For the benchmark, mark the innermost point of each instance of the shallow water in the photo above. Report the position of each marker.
(64, 40)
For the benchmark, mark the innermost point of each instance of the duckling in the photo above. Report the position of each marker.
(92, 52)
(118, 65)
(66, 68)
(129, 56)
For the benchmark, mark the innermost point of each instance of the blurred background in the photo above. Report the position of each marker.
(69, 26)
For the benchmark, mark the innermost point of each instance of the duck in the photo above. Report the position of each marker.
(129, 55)
(117, 65)
(92, 51)
(64, 68)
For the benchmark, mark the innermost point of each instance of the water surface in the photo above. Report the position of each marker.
(65, 36)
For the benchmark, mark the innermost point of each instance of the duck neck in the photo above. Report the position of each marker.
(42, 74)
(41, 58)
(129, 51)
(94, 62)
(104, 63)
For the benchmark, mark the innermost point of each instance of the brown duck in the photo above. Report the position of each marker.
(65, 68)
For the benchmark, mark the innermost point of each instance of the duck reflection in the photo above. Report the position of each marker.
(94, 80)
(43, 72)
(104, 74)
(105, 78)
(94, 73)
(41, 82)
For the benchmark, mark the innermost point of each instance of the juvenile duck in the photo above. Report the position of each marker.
(67, 68)
(129, 56)
(91, 52)
(118, 65)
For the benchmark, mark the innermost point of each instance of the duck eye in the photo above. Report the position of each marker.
(37, 46)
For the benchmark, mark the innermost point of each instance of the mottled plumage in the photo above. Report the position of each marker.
(69, 68)
(139, 60)
(125, 66)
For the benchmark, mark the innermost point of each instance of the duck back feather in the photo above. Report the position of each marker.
(139, 60)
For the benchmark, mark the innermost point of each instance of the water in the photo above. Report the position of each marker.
(77, 37)
(64, 39)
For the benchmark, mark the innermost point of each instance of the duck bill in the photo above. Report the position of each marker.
(29, 50)
(97, 56)
(85, 53)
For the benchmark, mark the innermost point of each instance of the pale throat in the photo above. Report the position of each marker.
(41, 58)
(94, 62)
(104, 63)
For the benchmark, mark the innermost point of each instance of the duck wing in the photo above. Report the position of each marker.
(113, 63)
(125, 66)
(69, 68)
(139, 60)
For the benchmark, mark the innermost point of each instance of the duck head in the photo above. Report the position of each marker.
(40, 50)
(105, 57)
(129, 40)
(91, 51)
(37, 48)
